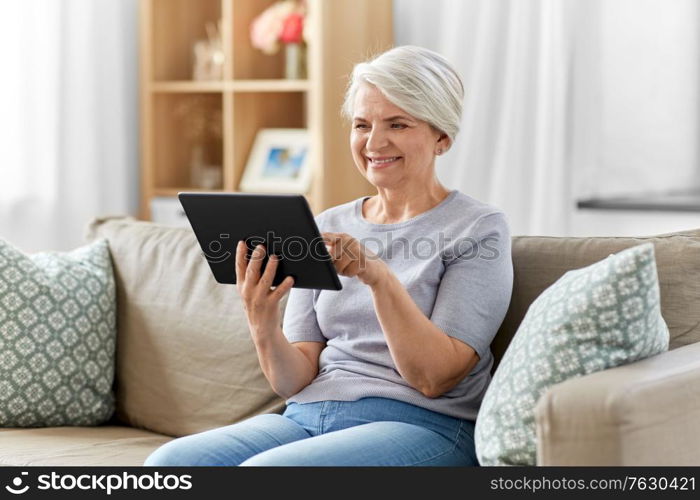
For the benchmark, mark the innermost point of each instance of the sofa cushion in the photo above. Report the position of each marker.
(78, 446)
(591, 319)
(185, 360)
(57, 335)
(538, 261)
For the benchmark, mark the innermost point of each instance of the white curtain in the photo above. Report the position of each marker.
(68, 135)
(521, 136)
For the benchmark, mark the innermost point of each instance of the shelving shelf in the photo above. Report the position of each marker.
(171, 192)
(270, 85)
(219, 119)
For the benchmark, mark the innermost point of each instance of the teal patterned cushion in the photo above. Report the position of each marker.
(57, 337)
(591, 319)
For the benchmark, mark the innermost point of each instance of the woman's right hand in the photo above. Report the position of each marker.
(261, 303)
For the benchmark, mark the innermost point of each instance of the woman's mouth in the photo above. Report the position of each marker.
(382, 161)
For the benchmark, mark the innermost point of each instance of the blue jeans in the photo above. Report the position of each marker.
(370, 431)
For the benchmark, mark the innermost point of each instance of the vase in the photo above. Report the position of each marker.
(204, 175)
(294, 61)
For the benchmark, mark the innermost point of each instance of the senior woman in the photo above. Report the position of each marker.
(390, 370)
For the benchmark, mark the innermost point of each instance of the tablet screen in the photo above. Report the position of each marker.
(282, 222)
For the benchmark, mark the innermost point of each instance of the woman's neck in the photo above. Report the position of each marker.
(392, 206)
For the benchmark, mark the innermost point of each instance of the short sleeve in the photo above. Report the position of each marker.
(475, 290)
(300, 323)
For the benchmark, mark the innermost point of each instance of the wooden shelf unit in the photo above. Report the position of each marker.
(223, 116)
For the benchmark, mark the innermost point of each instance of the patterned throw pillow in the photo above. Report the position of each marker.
(57, 337)
(591, 319)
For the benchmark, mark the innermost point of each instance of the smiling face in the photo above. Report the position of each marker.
(391, 148)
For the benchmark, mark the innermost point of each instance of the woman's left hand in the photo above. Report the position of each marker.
(351, 258)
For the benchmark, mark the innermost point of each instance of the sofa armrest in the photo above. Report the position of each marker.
(643, 413)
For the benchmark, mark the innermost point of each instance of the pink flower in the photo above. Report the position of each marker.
(282, 21)
(293, 28)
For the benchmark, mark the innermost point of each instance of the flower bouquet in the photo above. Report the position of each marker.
(283, 22)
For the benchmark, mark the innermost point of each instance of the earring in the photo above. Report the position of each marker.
(439, 151)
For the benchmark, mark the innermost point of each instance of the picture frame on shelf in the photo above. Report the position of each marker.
(278, 162)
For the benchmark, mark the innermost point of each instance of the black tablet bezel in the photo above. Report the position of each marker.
(216, 222)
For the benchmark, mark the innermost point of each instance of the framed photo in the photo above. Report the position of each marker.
(278, 162)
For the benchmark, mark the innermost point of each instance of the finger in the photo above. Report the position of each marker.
(344, 267)
(352, 249)
(329, 246)
(351, 262)
(282, 288)
(335, 247)
(269, 272)
(330, 237)
(353, 268)
(240, 262)
(256, 258)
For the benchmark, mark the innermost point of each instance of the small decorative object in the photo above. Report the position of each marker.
(278, 162)
(202, 174)
(201, 124)
(294, 61)
(284, 22)
(209, 55)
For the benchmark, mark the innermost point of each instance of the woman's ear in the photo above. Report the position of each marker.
(443, 144)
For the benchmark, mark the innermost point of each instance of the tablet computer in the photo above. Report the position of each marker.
(282, 222)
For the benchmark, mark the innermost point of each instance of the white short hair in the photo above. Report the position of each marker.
(419, 81)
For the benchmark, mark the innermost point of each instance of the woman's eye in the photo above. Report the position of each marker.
(398, 125)
(360, 125)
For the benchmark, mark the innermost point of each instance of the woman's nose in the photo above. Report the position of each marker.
(377, 140)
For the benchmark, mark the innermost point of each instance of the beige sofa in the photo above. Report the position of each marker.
(185, 362)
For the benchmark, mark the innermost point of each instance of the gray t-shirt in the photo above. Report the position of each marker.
(455, 262)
